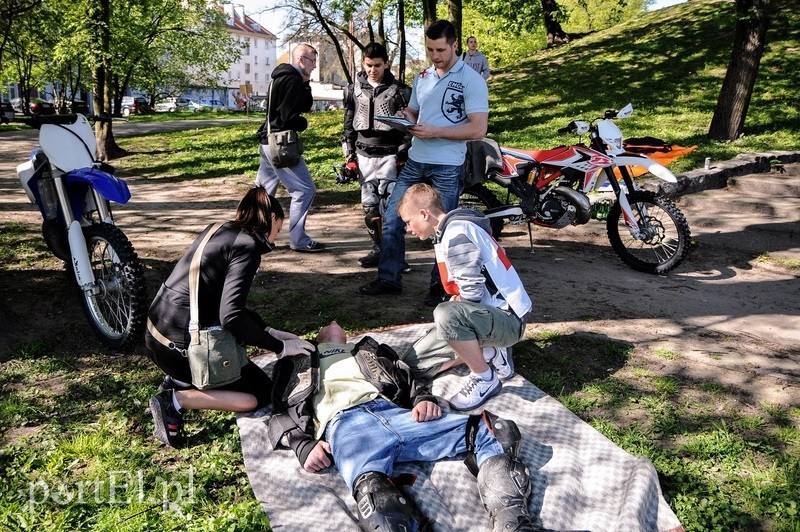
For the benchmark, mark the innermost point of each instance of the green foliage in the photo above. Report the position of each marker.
(161, 45)
(510, 31)
(502, 48)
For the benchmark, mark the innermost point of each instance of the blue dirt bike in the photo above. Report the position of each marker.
(74, 193)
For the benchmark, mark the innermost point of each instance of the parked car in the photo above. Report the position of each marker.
(170, 105)
(134, 105)
(214, 105)
(36, 106)
(6, 112)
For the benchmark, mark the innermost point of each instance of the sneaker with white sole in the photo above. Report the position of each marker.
(500, 360)
(475, 392)
(168, 421)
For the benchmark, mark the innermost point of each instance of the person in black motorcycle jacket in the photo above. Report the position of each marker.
(372, 149)
(358, 406)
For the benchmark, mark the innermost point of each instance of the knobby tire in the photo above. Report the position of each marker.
(118, 313)
(669, 240)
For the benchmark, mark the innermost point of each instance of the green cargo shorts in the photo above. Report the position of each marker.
(461, 320)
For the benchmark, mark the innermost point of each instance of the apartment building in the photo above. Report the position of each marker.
(258, 58)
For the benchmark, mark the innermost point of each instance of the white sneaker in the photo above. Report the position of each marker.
(475, 392)
(500, 360)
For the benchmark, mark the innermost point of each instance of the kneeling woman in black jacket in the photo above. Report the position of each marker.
(229, 263)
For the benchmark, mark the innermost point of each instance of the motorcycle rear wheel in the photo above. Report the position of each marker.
(667, 238)
(117, 312)
(479, 198)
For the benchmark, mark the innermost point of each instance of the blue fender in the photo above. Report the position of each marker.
(107, 185)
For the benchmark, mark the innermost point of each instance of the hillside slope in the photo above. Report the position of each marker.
(670, 64)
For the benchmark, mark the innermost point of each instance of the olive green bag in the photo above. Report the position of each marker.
(285, 147)
(215, 357)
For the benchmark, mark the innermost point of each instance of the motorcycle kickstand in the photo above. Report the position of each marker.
(530, 237)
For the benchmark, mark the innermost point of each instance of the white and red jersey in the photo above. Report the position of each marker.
(472, 265)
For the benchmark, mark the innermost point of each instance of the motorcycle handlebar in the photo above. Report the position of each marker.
(569, 129)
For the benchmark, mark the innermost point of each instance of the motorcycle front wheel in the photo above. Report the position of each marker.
(117, 308)
(480, 198)
(665, 238)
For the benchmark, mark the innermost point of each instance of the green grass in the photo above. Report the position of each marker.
(68, 417)
(721, 466)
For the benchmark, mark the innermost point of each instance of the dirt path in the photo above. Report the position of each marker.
(723, 314)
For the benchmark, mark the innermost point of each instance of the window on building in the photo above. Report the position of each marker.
(255, 43)
(255, 59)
(247, 46)
(247, 68)
(255, 78)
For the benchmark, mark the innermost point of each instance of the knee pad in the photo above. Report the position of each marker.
(504, 486)
(381, 506)
(370, 199)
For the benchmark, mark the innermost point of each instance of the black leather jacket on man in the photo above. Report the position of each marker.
(296, 380)
(291, 96)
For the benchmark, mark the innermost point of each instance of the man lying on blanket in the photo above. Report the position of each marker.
(358, 406)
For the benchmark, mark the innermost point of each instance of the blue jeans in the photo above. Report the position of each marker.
(374, 435)
(446, 179)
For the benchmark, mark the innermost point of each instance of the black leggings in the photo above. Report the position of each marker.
(253, 380)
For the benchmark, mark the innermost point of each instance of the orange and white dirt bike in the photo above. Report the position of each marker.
(551, 188)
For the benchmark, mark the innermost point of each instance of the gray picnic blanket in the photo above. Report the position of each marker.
(581, 480)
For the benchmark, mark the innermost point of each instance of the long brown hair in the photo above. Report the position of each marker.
(255, 211)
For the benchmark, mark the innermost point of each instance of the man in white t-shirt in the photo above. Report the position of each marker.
(449, 106)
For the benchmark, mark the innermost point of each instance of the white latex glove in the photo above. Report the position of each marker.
(296, 347)
(281, 335)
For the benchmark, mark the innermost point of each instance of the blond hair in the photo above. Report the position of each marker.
(422, 196)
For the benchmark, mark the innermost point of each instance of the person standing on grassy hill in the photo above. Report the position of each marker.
(488, 305)
(290, 97)
(476, 59)
(373, 149)
(449, 106)
(227, 266)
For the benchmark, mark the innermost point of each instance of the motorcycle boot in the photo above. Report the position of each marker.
(381, 506)
(373, 223)
(504, 486)
(370, 260)
(505, 431)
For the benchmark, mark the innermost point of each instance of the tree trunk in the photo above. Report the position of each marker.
(455, 10)
(428, 13)
(555, 35)
(737, 87)
(99, 17)
(401, 38)
(332, 36)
